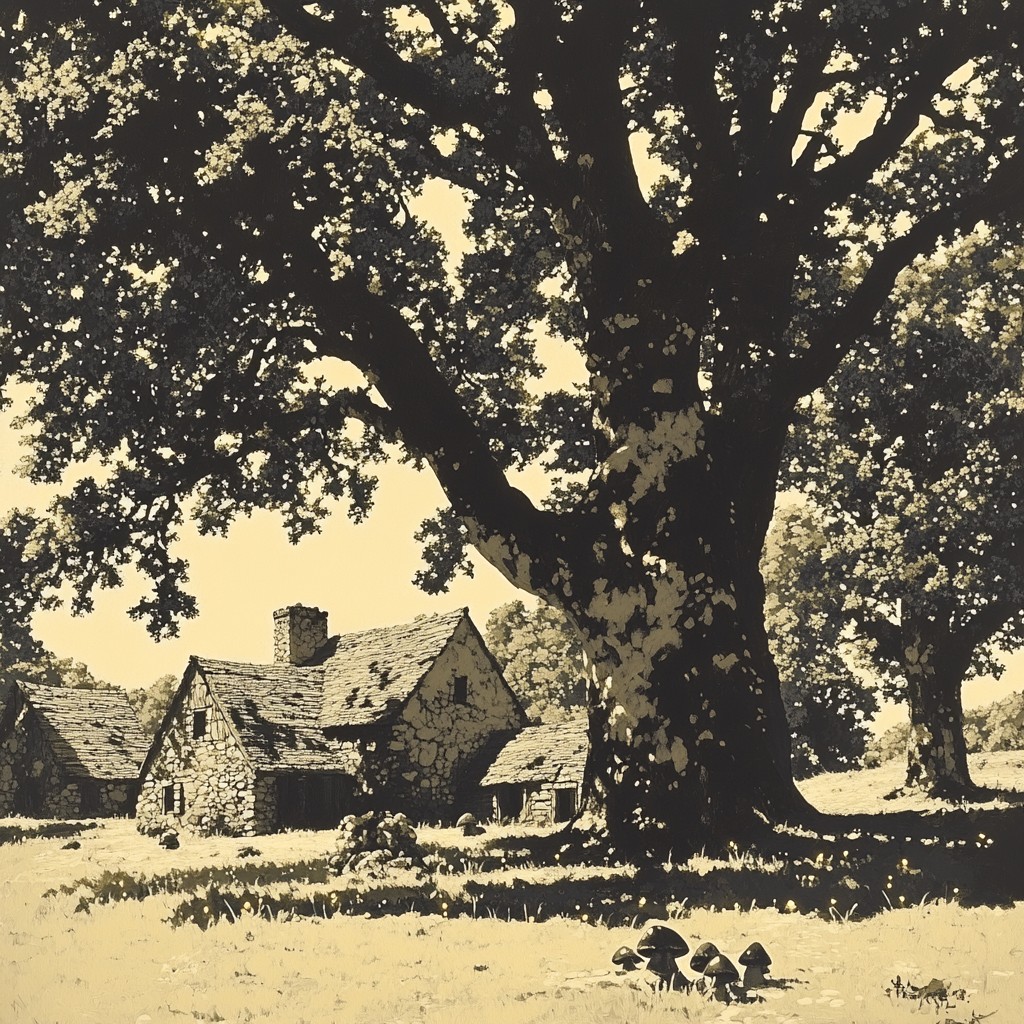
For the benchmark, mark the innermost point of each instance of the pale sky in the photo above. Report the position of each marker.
(361, 575)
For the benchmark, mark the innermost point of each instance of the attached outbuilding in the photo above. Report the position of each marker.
(537, 775)
(69, 753)
(393, 717)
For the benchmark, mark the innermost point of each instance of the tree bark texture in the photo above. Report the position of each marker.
(936, 749)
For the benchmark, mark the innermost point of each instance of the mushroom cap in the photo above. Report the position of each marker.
(705, 953)
(624, 955)
(755, 956)
(661, 939)
(466, 819)
(721, 970)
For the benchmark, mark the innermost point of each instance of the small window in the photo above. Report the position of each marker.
(174, 799)
(199, 724)
(461, 695)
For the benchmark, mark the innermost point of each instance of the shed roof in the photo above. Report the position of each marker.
(555, 753)
(93, 733)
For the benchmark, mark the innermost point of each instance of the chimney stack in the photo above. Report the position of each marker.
(298, 632)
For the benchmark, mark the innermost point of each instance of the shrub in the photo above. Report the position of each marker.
(375, 842)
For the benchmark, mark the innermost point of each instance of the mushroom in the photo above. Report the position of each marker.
(626, 959)
(169, 840)
(722, 974)
(467, 822)
(706, 952)
(755, 961)
(661, 946)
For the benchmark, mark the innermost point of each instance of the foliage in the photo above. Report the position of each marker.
(541, 657)
(49, 670)
(374, 843)
(828, 708)
(151, 702)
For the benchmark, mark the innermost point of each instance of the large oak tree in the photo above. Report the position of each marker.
(204, 212)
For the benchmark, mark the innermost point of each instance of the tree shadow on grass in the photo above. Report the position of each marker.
(877, 861)
(849, 875)
(52, 830)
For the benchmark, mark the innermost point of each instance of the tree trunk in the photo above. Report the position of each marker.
(689, 740)
(936, 749)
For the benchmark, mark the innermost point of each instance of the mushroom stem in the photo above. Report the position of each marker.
(753, 976)
(664, 965)
(721, 992)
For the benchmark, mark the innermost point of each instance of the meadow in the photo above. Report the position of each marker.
(514, 926)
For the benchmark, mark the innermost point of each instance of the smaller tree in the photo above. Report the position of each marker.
(828, 708)
(541, 657)
(914, 455)
(151, 702)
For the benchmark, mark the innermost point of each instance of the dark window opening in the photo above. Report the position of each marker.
(565, 804)
(174, 799)
(461, 690)
(199, 724)
(509, 802)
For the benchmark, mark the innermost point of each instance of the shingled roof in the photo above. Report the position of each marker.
(275, 710)
(280, 711)
(367, 675)
(554, 753)
(93, 733)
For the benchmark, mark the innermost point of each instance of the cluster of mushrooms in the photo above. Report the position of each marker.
(660, 946)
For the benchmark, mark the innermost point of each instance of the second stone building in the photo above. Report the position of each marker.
(397, 717)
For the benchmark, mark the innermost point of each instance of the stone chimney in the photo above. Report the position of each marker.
(298, 632)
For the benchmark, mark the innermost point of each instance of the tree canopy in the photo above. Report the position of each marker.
(206, 215)
(541, 658)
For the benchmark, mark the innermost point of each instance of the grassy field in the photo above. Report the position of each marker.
(862, 792)
(530, 943)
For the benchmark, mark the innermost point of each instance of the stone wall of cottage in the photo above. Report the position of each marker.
(33, 782)
(31, 779)
(215, 789)
(435, 737)
(537, 802)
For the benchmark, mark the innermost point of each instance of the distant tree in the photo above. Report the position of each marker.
(49, 670)
(827, 706)
(914, 457)
(997, 726)
(542, 659)
(203, 213)
(151, 702)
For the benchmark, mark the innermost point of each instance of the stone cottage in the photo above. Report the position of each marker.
(537, 775)
(394, 717)
(69, 753)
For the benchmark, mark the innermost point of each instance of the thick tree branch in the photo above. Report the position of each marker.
(830, 341)
(432, 424)
(354, 36)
